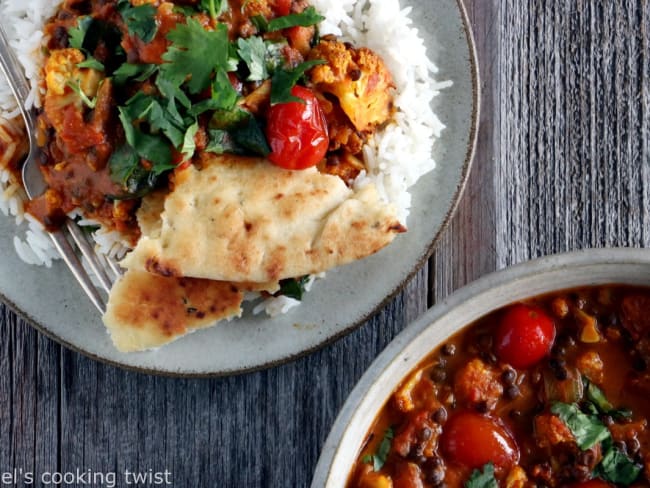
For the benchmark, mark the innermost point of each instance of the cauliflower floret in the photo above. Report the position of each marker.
(60, 68)
(358, 78)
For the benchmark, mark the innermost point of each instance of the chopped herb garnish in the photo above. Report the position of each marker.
(617, 467)
(483, 479)
(379, 458)
(91, 63)
(283, 81)
(260, 23)
(253, 52)
(194, 52)
(293, 287)
(597, 397)
(223, 93)
(587, 429)
(126, 170)
(307, 17)
(189, 145)
(76, 87)
(214, 7)
(137, 72)
(76, 35)
(140, 21)
(152, 148)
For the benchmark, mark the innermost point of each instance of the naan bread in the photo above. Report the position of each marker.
(242, 219)
(146, 310)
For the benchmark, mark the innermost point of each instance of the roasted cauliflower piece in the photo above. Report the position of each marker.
(358, 78)
(61, 67)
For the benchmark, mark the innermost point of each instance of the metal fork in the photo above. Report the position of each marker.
(70, 240)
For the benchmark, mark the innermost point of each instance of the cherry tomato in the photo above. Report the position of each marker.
(524, 336)
(592, 483)
(297, 132)
(472, 440)
(281, 7)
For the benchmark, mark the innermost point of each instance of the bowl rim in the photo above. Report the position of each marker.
(396, 356)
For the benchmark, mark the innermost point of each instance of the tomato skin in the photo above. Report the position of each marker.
(472, 440)
(592, 483)
(297, 132)
(281, 7)
(524, 336)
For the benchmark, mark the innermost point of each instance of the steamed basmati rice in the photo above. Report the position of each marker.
(382, 25)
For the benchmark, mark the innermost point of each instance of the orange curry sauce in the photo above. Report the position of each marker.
(468, 406)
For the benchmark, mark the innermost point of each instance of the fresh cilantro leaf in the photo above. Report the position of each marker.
(587, 429)
(260, 23)
(214, 7)
(274, 57)
(195, 52)
(283, 81)
(223, 92)
(139, 72)
(597, 396)
(617, 467)
(172, 91)
(140, 21)
(483, 479)
(293, 287)
(253, 52)
(91, 63)
(76, 87)
(251, 137)
(152, 148)
(189, 145)
(307, 17)
(379, 458)
(76, 35)
(600, 403)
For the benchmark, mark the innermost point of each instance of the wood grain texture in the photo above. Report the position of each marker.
(562, 163)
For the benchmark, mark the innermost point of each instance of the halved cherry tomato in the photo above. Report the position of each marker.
(472, 440)
(524, 336)
(297, 132)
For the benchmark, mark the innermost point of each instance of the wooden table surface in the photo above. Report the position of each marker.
(562, 163)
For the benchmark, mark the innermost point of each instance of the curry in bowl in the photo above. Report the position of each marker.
(547, 392)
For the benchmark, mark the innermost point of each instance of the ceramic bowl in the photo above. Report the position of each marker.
(411, 346)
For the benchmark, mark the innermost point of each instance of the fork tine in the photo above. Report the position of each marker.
(114, 266)
(89, 253)
(67, 253)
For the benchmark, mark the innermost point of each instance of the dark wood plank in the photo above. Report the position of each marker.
(573, 171)
(261, 429)
(466, 250)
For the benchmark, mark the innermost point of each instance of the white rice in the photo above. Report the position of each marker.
(395, 158)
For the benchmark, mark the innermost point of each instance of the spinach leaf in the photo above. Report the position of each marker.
(293, 287)
(307, 17)
(483, 479)
(126, 170)
(251, 137)
(587, 429)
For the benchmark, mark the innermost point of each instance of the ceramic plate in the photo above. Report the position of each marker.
(51, 300)
(413, 344)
